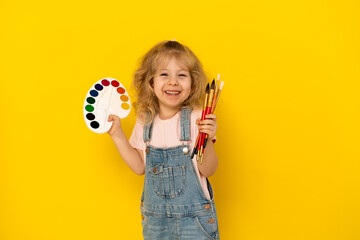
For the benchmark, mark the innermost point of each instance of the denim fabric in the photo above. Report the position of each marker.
(173, 203)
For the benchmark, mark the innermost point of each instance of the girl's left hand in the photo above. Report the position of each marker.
(208, 125)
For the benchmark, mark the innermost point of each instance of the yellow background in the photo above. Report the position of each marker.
(288, 135)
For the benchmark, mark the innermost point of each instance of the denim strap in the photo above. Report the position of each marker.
(147, 132)
(185, 124)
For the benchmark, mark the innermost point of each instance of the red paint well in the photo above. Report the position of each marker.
(105, 82)
(115, 83)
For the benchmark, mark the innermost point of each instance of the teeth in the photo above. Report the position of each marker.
(172, 93)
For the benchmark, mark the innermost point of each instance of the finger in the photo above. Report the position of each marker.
(208, 122)
(211, 116)
(112, 117)
(207, 127)
(210, 134)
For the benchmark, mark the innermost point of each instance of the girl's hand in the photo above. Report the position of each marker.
(208, 125)
(116, 126)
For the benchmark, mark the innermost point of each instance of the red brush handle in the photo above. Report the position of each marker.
(204, 135)
(203, 114)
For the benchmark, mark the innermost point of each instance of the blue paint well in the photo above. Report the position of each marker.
(94, 93)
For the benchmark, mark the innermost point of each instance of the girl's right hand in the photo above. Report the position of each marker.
(116, 126)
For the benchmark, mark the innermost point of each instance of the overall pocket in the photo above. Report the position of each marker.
(168, 182)
(208, 225)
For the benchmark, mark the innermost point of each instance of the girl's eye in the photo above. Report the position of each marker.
(163, 74)
(182, 75)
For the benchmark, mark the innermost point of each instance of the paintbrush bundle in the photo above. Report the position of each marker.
(212, 94)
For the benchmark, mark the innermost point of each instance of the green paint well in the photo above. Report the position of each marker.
(89, 108)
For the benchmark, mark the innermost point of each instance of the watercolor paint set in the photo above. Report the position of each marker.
(105, 97)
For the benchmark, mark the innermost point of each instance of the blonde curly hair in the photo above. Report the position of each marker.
(147, 105)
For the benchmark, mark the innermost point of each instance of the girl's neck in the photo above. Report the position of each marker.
(167, 113)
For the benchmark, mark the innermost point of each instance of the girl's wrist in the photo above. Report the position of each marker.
(118, 135)
(211, 138)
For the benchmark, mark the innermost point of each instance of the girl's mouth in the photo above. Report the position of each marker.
(172, 92)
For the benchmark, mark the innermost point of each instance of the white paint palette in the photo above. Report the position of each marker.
(105, 97)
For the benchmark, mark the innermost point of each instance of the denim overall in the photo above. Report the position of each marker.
(173, 203)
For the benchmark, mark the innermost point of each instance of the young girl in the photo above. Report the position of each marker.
(177, 200)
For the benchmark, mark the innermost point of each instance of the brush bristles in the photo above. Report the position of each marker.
(221, 84)
(207, 89)
(218, 76)
(213, 84)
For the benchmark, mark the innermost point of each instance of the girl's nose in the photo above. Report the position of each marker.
(173, 81)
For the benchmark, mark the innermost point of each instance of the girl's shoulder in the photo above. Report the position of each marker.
(196, 113)
(139, 121)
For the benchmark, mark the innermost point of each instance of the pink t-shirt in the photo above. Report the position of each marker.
(165, 134)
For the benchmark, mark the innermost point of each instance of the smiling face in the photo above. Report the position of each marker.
(172, 86)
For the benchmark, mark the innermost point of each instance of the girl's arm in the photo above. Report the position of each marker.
(210, 160)
(132, 157)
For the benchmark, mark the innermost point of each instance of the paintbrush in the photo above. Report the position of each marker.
(197, 146)
(216, 92)
(205, 107)
(208, 111)
(218, 95)
(202, 136)
(213, 109)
